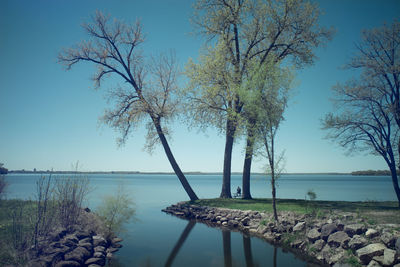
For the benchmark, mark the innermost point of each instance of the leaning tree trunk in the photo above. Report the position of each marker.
(192, 195)
(247, 165)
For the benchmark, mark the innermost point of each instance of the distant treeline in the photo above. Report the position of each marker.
(372, 172)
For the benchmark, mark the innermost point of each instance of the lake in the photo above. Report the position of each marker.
(157, 239)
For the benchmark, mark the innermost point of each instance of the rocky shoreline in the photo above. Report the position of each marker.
(335, 239)
(84, 245)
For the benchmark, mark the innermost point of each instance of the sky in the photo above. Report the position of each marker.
(49, 116)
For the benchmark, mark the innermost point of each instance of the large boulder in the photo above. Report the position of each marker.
(357, 242)
(80, 254)
(368, 252)
(313, 234)
(327, 230)
(355, 229)
(389, 256)
(339, 239)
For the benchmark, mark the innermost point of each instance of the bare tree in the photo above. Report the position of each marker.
(148, 91)
(368, 116)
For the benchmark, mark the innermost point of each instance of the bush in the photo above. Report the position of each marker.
(70, 193)
(116, 210)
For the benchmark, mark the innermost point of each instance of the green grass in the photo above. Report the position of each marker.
(388, 210)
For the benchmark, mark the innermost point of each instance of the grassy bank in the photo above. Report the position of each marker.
(375, 212)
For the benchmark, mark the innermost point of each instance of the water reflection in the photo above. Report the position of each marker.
(226, 241)
(180, 242)
(227, 248)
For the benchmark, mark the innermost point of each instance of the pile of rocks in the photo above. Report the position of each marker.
(75, 249)
(334, 239)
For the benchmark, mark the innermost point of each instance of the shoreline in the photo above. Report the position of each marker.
(338, 237)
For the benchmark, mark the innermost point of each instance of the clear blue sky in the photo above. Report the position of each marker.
(49, 117)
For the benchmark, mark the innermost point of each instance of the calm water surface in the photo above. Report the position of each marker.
(158, 239)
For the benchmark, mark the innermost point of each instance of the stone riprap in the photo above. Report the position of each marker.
(337, 239)
(82, 247)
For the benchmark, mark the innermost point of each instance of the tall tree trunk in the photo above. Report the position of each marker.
(226, 177)
(226, 242)
(274, 196)
(247, 251)
(395, 181)
(247, 164)
(180, 242)
(192, 195)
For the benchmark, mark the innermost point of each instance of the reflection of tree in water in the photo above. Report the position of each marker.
(227, 249)
(226, 241)
(180, 242)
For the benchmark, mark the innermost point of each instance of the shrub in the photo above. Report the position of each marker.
(70, 193)
(116, 210)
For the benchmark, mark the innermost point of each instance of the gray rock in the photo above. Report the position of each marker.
(339, 239)
(373, 263)
(318, 245)
(368, 252)
(98, 261)
(354, 229)
(299, 227)
(72, 237)
(327, 230)
(79, 254)
(100, 249)
(297, 243)
(371, 233)
(109, 255)
(313, 235)
(339, 264)
(98, 254)
(388, 239)
(94, 265)
(397, 245)
(338, 255)
(388, 257)
(82, 235)
(99, 241)
(68, 264)
(86, 240)
(111, 250)
(357, 242)
(88, 246)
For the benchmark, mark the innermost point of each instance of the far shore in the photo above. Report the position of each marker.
(356, 173)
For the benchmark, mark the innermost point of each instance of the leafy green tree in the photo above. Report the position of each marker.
(266, 99)
(241, 31)
(148, 94)
(367, 117)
